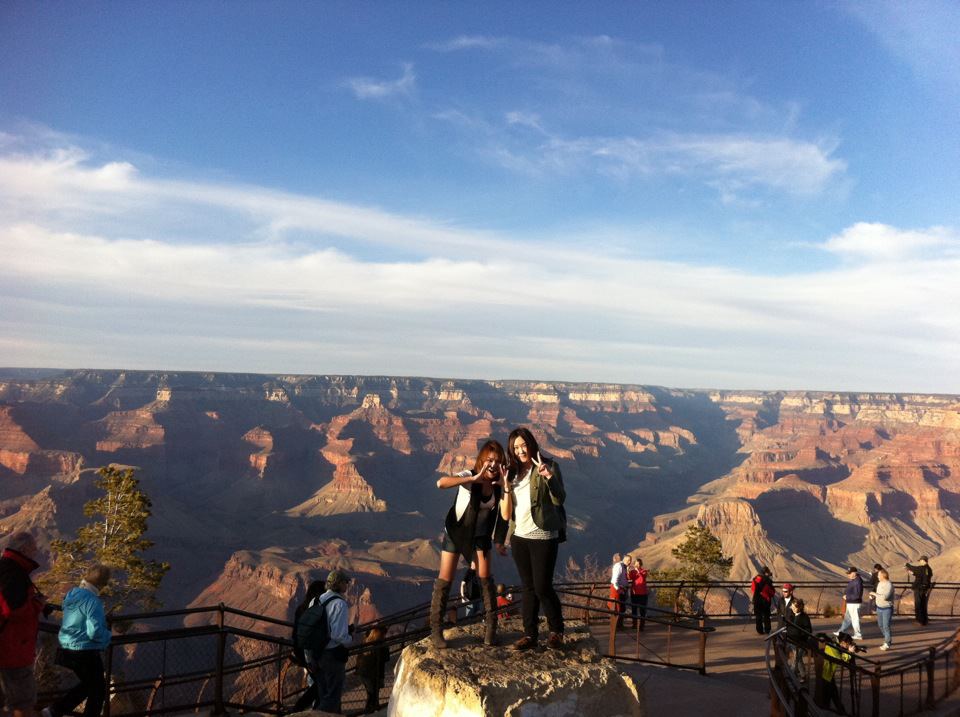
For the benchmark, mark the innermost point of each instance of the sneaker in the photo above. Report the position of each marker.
(884, 646)
(555, 641)
(858, 637)
(836, 633)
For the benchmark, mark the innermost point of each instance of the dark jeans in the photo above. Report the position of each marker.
(329, 674)
(761, 611)
(536, 561)
(638, 603)
(88, 666)
(920, 597)
(372, 686)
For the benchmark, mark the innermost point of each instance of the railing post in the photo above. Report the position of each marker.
(108, 676)
(875, 691)
(931, 670)
(703, 646)
(612, 642)
(221, 654)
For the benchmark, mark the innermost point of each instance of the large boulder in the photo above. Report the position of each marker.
(469, 679)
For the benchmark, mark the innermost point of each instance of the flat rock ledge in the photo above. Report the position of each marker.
(470, 679)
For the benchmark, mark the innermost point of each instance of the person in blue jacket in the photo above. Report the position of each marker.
(84, 634)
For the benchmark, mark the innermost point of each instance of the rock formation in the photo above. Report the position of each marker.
(470, 679)
(256, 480)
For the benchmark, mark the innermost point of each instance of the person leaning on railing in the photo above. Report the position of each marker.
(834, 656)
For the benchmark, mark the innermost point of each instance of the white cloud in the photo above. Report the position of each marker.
(881, 242)
(367, 88)
(731, 163)
(593, 312)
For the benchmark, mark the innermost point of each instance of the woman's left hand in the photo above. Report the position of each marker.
(542, 468)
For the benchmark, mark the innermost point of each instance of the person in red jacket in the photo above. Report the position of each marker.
(637, 577)
(763, 592)
(20, 607)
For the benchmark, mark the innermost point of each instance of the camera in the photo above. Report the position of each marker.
(859, 648)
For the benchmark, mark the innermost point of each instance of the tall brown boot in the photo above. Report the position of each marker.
(438, 606)
(488, 590)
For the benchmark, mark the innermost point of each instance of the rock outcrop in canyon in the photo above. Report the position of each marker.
(262, 483)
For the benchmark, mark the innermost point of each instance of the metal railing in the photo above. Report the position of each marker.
(237, 660)
(905, 685)
(732, 598)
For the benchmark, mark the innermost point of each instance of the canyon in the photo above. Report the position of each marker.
(261, 484)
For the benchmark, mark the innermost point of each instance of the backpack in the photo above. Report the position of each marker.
(312, 631)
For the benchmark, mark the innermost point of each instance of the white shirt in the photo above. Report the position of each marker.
(337, 618)
(618, 578)
(525, 525)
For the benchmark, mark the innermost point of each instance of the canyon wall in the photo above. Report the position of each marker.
(261, 484)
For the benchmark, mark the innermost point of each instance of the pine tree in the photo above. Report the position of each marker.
(701, 560)
(114, 539)
(701, 555)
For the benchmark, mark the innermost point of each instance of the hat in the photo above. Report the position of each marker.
(337, 577)
(851, 569)
(924, 557)
(844, 637)
(788, 586)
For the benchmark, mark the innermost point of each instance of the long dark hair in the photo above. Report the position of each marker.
(316, 589)
(532, 447)
(491, 446)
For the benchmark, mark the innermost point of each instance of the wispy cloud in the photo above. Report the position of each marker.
(922, 33)
(590, 312)
(729, 162)
(368, 88)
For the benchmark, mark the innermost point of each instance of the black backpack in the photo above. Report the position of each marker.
(312, 630)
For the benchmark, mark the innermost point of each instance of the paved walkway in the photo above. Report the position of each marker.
(736, 669)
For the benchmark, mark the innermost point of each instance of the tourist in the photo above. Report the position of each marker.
(328, 663)
(853, 597)
(883, 596)
(535, 496)
(784, 613)
(372, 665)
(471, 590)
(84, 635)
(504, 601)
(479, 511)
(20, 607)
(799, 633)
(763, 592)
(922, 583)
(871, 584)
(841, 654)
(637, 577)
(618, 587)
(309, 696)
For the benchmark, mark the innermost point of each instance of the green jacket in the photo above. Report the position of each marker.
(546, 501)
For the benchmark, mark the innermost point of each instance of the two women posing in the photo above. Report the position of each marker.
(522, 494)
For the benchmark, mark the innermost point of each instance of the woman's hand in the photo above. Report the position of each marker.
(542, 467)
(502, 477)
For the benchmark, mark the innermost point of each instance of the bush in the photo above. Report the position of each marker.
(829, 611)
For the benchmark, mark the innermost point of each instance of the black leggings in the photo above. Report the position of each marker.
(88, 666)
(536, 561)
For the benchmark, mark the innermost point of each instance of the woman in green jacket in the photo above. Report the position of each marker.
(534, 497)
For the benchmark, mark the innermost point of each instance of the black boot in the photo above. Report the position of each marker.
(438, 606)
(489, 591)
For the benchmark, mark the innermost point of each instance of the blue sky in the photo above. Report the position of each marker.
(743, 195)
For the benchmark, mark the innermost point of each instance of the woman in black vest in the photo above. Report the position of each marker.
(469, 531)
